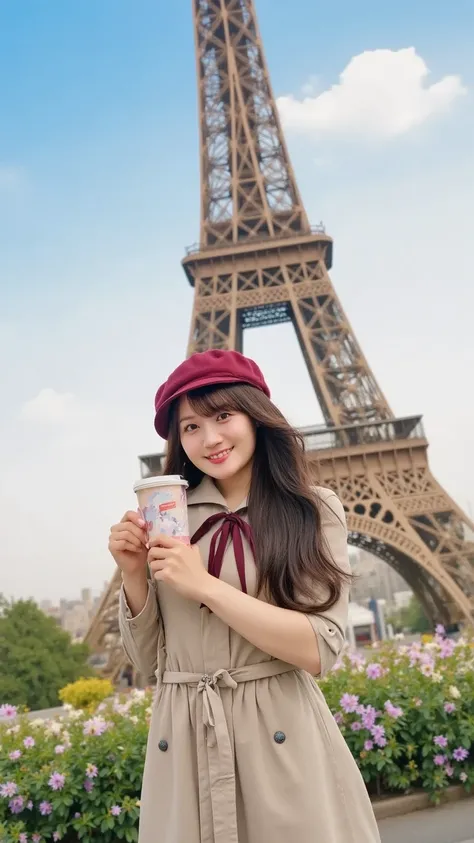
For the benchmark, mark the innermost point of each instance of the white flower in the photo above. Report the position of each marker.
(134, 719)
(54, 727)
(137, 694)
(436, 677)
(454, 692)
(37, 723)
(76, 714)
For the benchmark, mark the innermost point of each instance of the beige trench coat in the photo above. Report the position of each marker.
(242, 748)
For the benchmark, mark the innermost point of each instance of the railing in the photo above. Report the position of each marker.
(249, 241)
(320, 437)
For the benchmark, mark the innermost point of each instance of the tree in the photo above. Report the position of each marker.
(37, 657)
(411, 617)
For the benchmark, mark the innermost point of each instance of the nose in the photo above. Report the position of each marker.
(212, 435)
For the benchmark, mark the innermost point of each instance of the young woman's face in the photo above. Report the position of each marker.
(221, 445)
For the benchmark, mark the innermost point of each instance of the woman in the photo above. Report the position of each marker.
(242, 746)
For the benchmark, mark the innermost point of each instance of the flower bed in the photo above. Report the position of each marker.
(407, 715)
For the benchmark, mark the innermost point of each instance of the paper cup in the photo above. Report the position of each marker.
(163, 505)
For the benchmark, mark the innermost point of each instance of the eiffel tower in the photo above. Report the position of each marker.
(260, 262)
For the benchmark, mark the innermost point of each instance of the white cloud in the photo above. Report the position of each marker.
(51, 407)
(381, 93)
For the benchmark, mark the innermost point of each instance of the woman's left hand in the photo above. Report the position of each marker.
(180, 566)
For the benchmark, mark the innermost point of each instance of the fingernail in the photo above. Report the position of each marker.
(147, 545)
(141, 522)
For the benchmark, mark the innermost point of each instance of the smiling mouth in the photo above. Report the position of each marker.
(220, 456)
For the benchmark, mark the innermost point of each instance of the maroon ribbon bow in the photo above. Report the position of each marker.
(233, 526)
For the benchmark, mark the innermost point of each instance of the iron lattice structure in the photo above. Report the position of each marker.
(259, 262)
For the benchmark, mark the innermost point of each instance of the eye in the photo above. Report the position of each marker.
(223, 416)
(189, 428)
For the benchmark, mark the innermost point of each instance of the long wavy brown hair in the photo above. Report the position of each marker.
(293, 561)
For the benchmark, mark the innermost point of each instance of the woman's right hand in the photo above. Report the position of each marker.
(127, 544)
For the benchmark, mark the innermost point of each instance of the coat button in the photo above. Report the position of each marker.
(163, 745)
(279, 737)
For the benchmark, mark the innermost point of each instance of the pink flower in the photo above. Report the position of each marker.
(95, 726)
(439, 760)
(29, 742)
(59, 749)
(447, 648)
(338, 717)
(45, 808)
(440, 740)
(13, 756)
(36, 837)
(16, 804)
(91, 771)
(8, 710)
(56, 781)
(417, 701)
(378, 734)
(368, 746)
(393, 710)
(440, 630)
(88, 785)
(348, 702)
(23, 838)
(374, 670)
(29, 805)
(449, 707)
(369, 716)
(427, 669)
(449, 770)
(8, 789)
(115, 810)
(356, 726)
(56, 835)
(77, 815)
(460, 754)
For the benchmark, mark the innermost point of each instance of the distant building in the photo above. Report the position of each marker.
(375, 579)
(73, 615)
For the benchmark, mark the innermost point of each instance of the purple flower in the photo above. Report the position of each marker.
(374, 670)
(8, 789)
(29, 742)
(460, 754)
(13, 756)
(8, 710)
(449, 770)
(356, 726)
(348, 702)
(88, 785)
(91, 771)
(368, 746)
(338, 717)
(440, 630)
(59, 749)
(378, 734)
(440, 740)
(95, 726)
(447, 648)
(77, 815)
(45, 808)
(56, 781)
(16, 804)
(439, 760)
(393, 710)
(115, 810)
(449, 707)
(369, 717)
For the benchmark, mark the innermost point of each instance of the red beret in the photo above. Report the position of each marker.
(206, 368)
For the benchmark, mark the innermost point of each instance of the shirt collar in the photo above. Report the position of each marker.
(208, 493)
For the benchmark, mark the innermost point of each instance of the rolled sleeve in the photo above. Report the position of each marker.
(140, 634)
(330, 627)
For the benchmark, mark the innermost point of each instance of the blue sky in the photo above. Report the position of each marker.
(99, 195)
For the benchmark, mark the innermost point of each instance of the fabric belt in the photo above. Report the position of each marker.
(218, 808)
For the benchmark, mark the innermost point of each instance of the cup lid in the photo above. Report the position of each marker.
(162, 480)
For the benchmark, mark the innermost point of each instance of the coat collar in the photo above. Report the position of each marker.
(208, 493)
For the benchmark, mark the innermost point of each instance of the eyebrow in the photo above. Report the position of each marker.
(186, 418)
